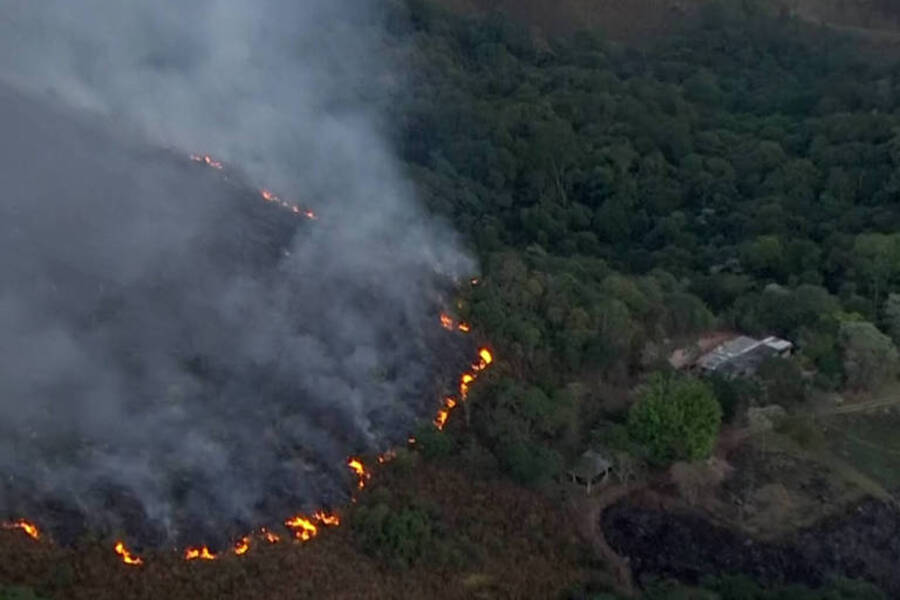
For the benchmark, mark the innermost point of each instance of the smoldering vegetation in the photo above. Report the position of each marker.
(180, 361)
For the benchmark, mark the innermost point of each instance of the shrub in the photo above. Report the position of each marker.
(401, 537)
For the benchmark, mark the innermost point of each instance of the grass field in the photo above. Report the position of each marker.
(870, 442)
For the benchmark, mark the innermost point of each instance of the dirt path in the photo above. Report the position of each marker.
(892, 398)
(588, 514)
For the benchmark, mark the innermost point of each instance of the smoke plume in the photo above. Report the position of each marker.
(173, 351)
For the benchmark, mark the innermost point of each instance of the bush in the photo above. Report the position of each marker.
(784, 381)
(530, 463)
(433, 444)
(804, 431)
(401, 537)
(675, 418)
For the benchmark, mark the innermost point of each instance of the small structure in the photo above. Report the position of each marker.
(591, 468)
(742, 356)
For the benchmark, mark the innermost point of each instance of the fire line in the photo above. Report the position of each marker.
(304, 528)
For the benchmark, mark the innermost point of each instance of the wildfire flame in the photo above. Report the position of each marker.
(207, 160)
(443, 414)
(242, 546)
(29, 528)
(387, 456)
(303, 528)
(485, 358)
(266, 194)
(449, 324)
(324, 518)
(357, 467)
(199, 553)
(464, 382)
(270, 537)
(127, 557)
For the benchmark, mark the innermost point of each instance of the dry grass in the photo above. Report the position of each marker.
(517, 532)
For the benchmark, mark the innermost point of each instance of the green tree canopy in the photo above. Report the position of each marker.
(675, 418)
(870, 357)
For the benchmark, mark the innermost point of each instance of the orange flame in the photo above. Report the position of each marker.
(268, 196)
(464, 327)
(474, 281)
(446, 322)
(303, 528)
(127, 557)
(387, 456)
(486, 356)
(29, 528)
(270, 537)
(324, 518)
(441, 419)
(242, 546)
(207, 160)
(201, 553)
(357, 467)
(464, 382)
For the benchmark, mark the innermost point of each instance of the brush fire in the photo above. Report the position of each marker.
(127, 557)
(304, 528)
(29, 528)
(307, 526)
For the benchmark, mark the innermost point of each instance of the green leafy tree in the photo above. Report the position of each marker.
(877, 259)
(675, 418)
(892, 316)
(870, 357)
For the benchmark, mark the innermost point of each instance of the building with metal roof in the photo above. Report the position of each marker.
(742, 356)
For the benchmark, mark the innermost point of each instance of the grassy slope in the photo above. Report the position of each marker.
(511, 532)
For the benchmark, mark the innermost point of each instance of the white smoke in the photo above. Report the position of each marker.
(138, 353)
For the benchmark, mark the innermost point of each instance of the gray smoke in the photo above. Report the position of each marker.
(170, 346)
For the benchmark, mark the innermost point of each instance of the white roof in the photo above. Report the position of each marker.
(739, 346)
(778, 344)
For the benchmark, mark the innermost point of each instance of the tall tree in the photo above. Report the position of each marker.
(870, 357)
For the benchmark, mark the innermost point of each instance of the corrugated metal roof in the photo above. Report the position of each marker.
(742, 354)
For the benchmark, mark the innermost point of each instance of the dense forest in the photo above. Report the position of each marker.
(739, 175)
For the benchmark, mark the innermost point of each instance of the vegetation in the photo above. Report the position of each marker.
(743, 174)
(676, 418)
(18, 593)
(403, 537)
(740, 587)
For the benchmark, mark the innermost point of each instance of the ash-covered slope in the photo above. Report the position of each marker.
(179, 360)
